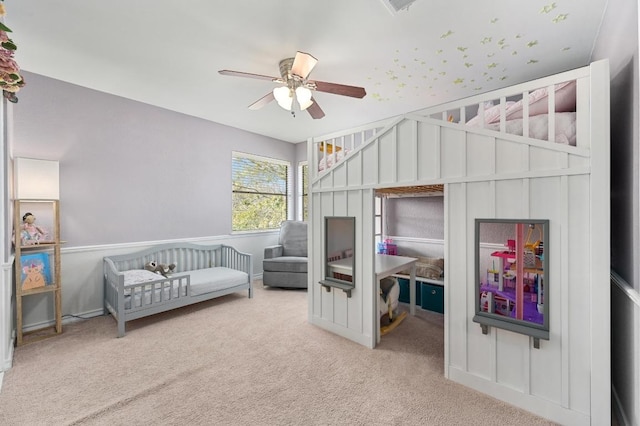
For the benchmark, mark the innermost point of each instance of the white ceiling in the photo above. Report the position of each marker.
(168, 53)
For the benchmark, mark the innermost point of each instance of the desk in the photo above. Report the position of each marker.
(385, 266)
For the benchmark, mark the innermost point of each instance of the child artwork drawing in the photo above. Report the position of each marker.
(36, 271)
(34, 277)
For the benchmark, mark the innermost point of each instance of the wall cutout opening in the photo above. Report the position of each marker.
(339, 250)
(512, 282)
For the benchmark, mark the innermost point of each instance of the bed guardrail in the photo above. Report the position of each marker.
(557, 105)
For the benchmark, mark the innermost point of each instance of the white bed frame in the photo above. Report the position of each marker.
(488, 174)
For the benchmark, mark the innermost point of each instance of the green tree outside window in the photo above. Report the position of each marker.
(260, 192)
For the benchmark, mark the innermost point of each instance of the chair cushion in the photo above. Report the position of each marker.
(285, 264)
(293, 238)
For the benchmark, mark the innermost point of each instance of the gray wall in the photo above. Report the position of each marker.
(301, 152)
(130, 174)
(129, 171)
(418, 217)
(618, 41)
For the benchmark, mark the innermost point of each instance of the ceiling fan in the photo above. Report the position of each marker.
(296, 88)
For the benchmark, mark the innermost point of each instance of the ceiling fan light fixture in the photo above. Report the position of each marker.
(295, 86)
(303, 95)
(284, 97)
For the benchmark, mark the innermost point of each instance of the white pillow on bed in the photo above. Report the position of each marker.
(565, 101)
(565, 127)
(491, 114)
(137, 276)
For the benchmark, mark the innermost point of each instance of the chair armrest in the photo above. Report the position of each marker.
(273, 251)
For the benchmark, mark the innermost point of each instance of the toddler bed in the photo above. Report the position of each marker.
(201, 273)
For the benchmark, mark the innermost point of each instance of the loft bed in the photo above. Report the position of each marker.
(554, 110)
(556, 105)
(490, 173)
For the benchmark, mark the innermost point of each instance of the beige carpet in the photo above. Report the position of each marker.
(240, 361)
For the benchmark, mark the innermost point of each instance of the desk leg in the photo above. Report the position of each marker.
(412, 290)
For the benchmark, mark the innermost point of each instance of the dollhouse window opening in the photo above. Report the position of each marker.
(512, 276)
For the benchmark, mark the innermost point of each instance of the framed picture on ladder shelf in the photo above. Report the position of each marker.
(36, 271)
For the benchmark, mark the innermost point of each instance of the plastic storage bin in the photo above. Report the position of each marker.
(404, 291)
(432, 297)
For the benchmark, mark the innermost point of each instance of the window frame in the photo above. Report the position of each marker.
(378, 217)
(288, 195)
(302, 192)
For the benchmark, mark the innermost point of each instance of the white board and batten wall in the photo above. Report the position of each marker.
(568, 378)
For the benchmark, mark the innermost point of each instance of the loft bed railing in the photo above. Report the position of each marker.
(557, 105)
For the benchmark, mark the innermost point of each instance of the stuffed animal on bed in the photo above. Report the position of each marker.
(160, 268)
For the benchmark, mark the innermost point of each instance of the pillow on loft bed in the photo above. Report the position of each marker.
(491, 114)
(565, 101)
(565, 127)
(329, 160)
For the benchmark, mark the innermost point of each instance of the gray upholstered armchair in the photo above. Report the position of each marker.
(285, 264)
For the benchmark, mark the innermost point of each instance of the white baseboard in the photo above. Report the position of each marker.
(8, 362)
(67, 319)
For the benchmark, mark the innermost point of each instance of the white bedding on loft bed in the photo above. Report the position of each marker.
(538, 115)
(565, 127)
(329, 160)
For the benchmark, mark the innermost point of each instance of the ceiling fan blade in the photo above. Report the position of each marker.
(262, 101)
(247, 74)
(303, 63)
(315, 111)
(340, 89)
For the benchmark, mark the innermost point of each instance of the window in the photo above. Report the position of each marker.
(377, 220)
(303, 191)
(260, 187)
